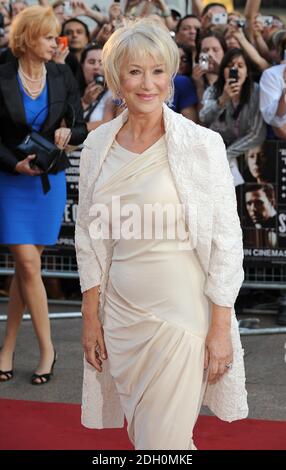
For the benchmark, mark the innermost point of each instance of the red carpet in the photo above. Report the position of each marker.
(46, 426)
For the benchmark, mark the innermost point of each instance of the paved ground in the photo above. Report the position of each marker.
(264, 358)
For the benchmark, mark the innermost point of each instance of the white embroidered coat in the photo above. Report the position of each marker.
(201, 174)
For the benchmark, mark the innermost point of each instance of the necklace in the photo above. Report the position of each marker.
(24, 78)
(33, 80)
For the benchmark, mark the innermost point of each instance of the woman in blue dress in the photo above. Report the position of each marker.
(39, 94)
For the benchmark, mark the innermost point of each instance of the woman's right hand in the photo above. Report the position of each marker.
(231, 90)
(198, 73)
(93, 340)
(91, 93)
(24, 167)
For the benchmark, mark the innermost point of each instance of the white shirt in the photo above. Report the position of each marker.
(98, 112)
(271, 87)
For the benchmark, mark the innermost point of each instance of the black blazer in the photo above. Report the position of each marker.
(13, 126)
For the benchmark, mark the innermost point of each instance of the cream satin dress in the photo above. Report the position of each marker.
(156, 315)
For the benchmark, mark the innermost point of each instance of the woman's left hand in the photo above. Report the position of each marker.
(218, 352)
(62, 137)
(61, 54)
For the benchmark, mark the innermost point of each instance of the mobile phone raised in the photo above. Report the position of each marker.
(62, 41)
(233, 74)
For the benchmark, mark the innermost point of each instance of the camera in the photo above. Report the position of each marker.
(68, 10)
(265, 20)
(219, 18)
(204, 61)
(240, 23)
(233, 74)
(99, 80)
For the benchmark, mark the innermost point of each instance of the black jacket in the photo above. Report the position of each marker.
(62, 88)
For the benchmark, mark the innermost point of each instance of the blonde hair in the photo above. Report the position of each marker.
(140, 38)
(29, 25)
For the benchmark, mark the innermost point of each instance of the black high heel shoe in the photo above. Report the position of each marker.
(9, 374)
(44, 378)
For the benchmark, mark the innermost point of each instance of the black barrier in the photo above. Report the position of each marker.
(261, 206)
(58, 260)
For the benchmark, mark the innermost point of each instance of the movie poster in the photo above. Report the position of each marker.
(65, 244)
(262, 203)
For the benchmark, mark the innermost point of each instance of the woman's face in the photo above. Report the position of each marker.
(45, 47)
(231, 41)
(256, 162)
(239, 64)
(59, 11)
(92, 65)
(144, 85)
(184, 67)
(213, 48)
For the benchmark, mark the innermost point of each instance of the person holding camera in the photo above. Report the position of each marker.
(231, 107)
(95, 94)
(40, 96)
(211, 50)
(214, 15)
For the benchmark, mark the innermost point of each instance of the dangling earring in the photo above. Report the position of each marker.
(169, 99)
(118, 101)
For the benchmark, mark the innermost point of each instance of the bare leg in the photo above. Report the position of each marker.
(16, 308)
(28, 267)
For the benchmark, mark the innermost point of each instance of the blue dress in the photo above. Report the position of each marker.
(27, 215)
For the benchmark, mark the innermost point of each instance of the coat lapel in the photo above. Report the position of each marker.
(12, 94)
(56, 94)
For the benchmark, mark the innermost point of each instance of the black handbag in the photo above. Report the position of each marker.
(47, 153)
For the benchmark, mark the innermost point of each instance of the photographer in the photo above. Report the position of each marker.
(209, 14)
(95, 94)
(231, 107)
(236, 38)
(211, 50)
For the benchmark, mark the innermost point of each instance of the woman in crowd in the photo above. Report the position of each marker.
(95, 94)
(34, 93)
(157, 304)
(231, 107)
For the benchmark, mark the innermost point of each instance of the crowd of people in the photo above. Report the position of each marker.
(213, 42)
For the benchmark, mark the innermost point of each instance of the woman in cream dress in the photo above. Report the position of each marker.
(163, 338)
